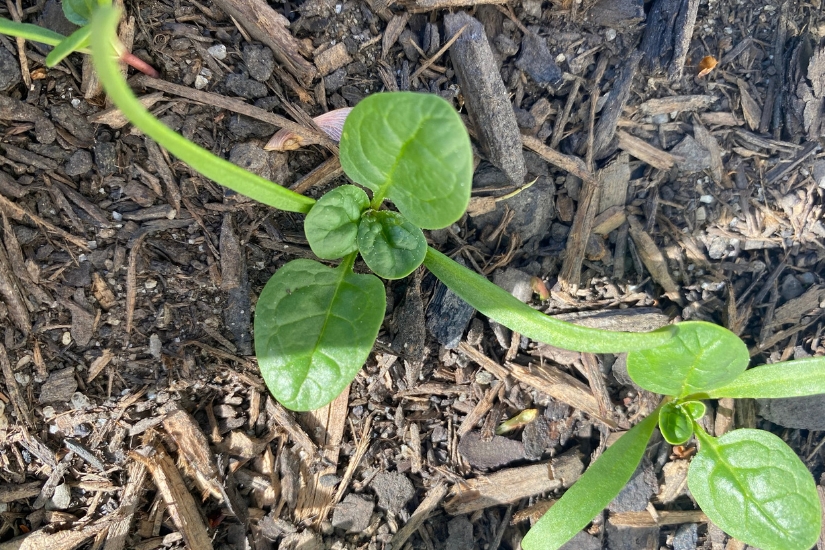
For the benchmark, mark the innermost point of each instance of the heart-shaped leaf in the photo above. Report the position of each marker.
(594, 490)
(331, 226)
(413, 149)
(314, 328)
(753, 486)
(700, 357)
(676, 420)
(391, 246)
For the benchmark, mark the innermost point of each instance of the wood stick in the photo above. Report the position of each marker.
(179, 501)
(22, 215)
(513, 484)
(434, 496)
(549, 380)
(265, 24)
(236, 106)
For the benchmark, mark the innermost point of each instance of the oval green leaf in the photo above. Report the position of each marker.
(331, 226)
(76, 41)
(694, 409)
(413, 149)
(675, 425)
(79, 12)
(391, 246)
(796, 378)
(701, 356)
(594, 490)
(753, 486)
(314, 329)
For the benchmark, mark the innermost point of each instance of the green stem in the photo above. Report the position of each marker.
(33, 33)
(347, 262)
(499, 305)
(223, 172)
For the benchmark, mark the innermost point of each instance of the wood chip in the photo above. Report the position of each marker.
(117, 536)
(676, 104)
(315, 498)
(270, 27)
(750, 109)
(645, 152)
(434, 496)
(609, 220)
(195, 457)
(706, 140)
(614, 180)
(19, 402)
(12, 296)
(546, 378)
(644, 519)
(332, 59)
(422, 6)
(485, 96)
(653, 259)
(513, 484)
(391, 33)
(115, 119)
(182, 508)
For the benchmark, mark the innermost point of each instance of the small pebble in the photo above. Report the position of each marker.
(150, 284)
(80, 401)
(61, 498)
(155, 346)
(67, 338)
(218, 51)
(79, 163)
(200, 82)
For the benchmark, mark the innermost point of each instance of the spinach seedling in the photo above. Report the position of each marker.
(748, 482)
(80, 13)
(315, 324)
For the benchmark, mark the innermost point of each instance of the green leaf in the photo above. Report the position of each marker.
(314, 329)
(700, 357)
(787, 379)
(213, 167)
(32, 32)
(391, 246)
(676, 420)
(755, 488)
(331, 226)
(76, 41)
(593, 491)
(413, 149)
(499, 305)
(79, 12)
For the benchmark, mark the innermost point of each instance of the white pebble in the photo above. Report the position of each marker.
(80, 401)
(707, 199)
(150, 284)
(218, 51)
(67, 338)
(200, 82)
(61, 498)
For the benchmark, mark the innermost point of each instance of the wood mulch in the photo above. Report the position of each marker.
(638, 164)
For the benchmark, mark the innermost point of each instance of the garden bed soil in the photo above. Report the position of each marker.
(664, 188)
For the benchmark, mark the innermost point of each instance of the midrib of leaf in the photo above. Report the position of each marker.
(342, 271)
(710, 443)
(696, 363)
(401, 153)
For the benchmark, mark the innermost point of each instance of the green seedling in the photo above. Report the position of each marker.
(315, 324)
(80, 13)
(748, 482)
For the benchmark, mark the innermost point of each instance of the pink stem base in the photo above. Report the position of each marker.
(139, 64)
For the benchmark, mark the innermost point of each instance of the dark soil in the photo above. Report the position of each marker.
(128, 281)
